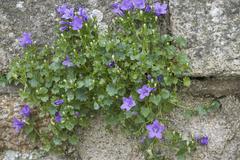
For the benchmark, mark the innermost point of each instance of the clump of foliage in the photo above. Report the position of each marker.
(130, 74)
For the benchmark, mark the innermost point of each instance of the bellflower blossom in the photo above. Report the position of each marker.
(111, 64)
(58, 117)
(160, 78)
(155, 130)
(68, 13)
(59, 102)
(126, 5)
(67, 62)
(25, 40)
(17, 124)
(25, 111)
(64, 25)
(61, 9)
(148, 8)
(128, 103)
(139, 4)
(203, 140)
(144, 91)
(116, 9)
(77, 23)
(160, 9)
(82, 13)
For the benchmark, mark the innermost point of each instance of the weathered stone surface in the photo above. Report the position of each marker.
(222, 128)
(212, 30)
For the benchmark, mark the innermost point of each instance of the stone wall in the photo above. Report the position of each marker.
(212, 28)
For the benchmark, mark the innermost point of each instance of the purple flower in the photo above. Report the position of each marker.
(203, 140)
(68, 13)
(58, 117)
(128, 103)
(160, 78)
(116, 9)
(144, 91)
(25, 111)
(155, 130)
(126, 5)
(148, 8)
(59, 102)
(17, 124)
(160, 9)
(83, 13)
(61, 9)
(142, 139)
(139, 4)
(67, 62)
(148, 76)
(77, 23)
(64, 25)
(111, 64)
(25, 39)
(77, 114)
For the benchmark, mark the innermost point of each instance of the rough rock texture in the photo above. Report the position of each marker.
(222, 128)
(212, 30)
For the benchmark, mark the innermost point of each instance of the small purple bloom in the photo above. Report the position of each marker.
(59, 102)
(61, 9)
(77, 23)
(77, 114)
(148, 76)
(67, 62)
(155, 130)
(116, 9)
(63, 28)
(203, 140)
(17, 124)
(126, 5)
(111, 64)
(160, 78)
(139, 4)
(160, 9)
(148, 8)
(83, 13)
(142, 139)
(25, 111)
(58, 117)
(68, 13)
(25, 40)
(144, 91)
(128, 103)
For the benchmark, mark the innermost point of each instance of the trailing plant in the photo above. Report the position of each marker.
(130, 74)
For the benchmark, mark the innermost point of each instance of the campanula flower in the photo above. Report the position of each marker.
(77, 23)
(148, 8)
(17, 124)
(148, 76)
(67, 62)
(144, 91)
(58, 117)
(62, 9)
(82, 13)
(116, 9)
(77, 114)
(25, 111)
(25, 40)
(203, 140)
(160, 78)
(155, 130)
(59, 102)
(126, 5)
(64, 25)
(68, 13)
(139, 4)
(128, 103)
(111, 64)
(160, 9)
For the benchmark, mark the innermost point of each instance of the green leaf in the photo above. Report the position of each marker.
(111, 90)
(73, 140)
(155, 99)
(96, 106)
(186, 81)
(69, 125)
(44, 99)
(145, 111)
(165, 94)
(33, 83)
(201, 111)
(57, 141)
